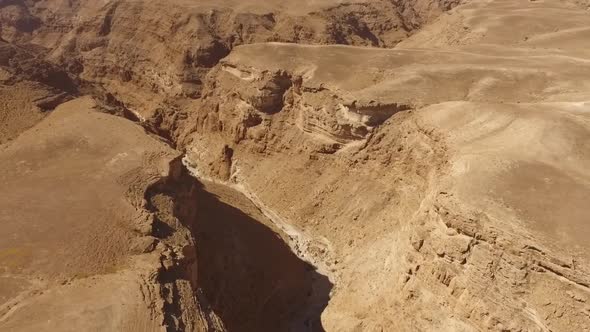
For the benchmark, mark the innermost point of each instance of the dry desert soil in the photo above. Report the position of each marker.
(276, 165)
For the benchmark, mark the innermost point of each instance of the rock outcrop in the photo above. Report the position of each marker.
(174, 47)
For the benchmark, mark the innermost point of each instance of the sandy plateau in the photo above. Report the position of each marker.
(325, 165)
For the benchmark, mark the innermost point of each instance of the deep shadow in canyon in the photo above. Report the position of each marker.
(245, 271)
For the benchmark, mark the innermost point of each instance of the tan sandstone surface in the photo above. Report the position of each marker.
(430, 173)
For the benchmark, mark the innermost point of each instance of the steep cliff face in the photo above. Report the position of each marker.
(423, 163)
(417, 186)
(431, 172)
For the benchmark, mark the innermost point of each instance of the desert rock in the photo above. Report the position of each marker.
(379, 165)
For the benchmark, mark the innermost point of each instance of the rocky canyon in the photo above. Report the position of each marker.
(314, 165)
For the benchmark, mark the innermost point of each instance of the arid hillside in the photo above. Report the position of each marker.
(364, 165)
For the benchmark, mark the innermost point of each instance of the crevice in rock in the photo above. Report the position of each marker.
(107, 23)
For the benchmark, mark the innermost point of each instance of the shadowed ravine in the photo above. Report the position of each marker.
(245, 271)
